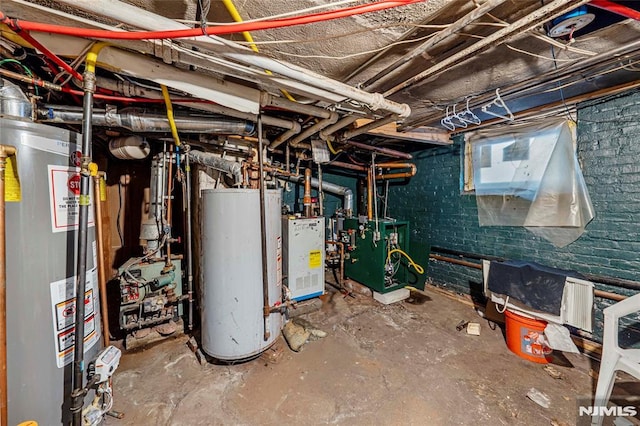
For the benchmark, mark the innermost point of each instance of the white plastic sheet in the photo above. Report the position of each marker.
(529, 176)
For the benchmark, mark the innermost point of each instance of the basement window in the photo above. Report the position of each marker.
(528, 175)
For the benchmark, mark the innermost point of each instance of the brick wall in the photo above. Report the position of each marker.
(608, 150)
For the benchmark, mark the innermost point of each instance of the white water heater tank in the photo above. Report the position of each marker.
(232, 299)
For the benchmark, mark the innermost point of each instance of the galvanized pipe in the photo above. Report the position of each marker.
(333, 188)
(78, 392)
(187, 167)
(342, 123)
(266, 308)
(169, 209)
(5, 152)
(311, 130)
(138, 120)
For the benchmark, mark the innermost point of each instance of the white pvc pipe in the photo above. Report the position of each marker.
(140, 18)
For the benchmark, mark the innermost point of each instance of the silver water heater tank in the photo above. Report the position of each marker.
(41, 222)
(232, 299)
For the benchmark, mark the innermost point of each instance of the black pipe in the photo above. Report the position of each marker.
(602, 279)
(188, 231)
(263, 236)
(77, 394)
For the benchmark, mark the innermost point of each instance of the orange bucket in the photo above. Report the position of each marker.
(525, 338)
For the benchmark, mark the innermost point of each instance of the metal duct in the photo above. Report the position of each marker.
(333, 188)
(13, 102)
(215, 162)
(139, 120)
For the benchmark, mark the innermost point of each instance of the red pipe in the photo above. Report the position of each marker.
(616, 8)
(46, 52)
(16, 25)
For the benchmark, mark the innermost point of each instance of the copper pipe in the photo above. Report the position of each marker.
(385, 151)
(456, 261)
(370, 193)
(597, 293)
(102, 273)
(5, 151)
(412, 170)
(306, 200)
(168, 263)
(349, 166)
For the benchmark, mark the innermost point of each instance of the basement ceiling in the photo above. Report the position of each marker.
(432, 55)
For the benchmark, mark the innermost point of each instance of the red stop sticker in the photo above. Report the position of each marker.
(74, 184)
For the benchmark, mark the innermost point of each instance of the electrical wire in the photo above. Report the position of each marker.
(419, 269)
(554, 59)
(20, 25)
(366, 52)
(281, 15)
(567, 113)
(351, 33)
(25, 68)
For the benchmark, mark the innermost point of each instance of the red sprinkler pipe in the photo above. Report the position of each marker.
(16, 25)
(616, 8)
(46, 52)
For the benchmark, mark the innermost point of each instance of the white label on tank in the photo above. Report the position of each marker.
(52, 145)
(64, 196)
(63, 303)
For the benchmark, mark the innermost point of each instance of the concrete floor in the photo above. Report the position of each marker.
(379, 365)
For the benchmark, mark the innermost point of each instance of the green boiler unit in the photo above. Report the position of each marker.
(368, 246)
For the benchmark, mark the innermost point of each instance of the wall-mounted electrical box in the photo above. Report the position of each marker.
(368, 247)
(303, 256)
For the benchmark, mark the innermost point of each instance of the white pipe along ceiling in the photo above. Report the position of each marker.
(267, 105)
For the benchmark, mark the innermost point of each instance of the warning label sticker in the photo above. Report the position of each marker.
(63, 305)
(315, 259)
(64, 195)
(12, 190)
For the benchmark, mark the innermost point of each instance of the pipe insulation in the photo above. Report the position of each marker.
(215, 162)
(140, 18)
(343, 191)
(139, 120)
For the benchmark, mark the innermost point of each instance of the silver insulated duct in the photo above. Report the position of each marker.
(13, 102)
(140, 120)
(216, 162)
(346, 193)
